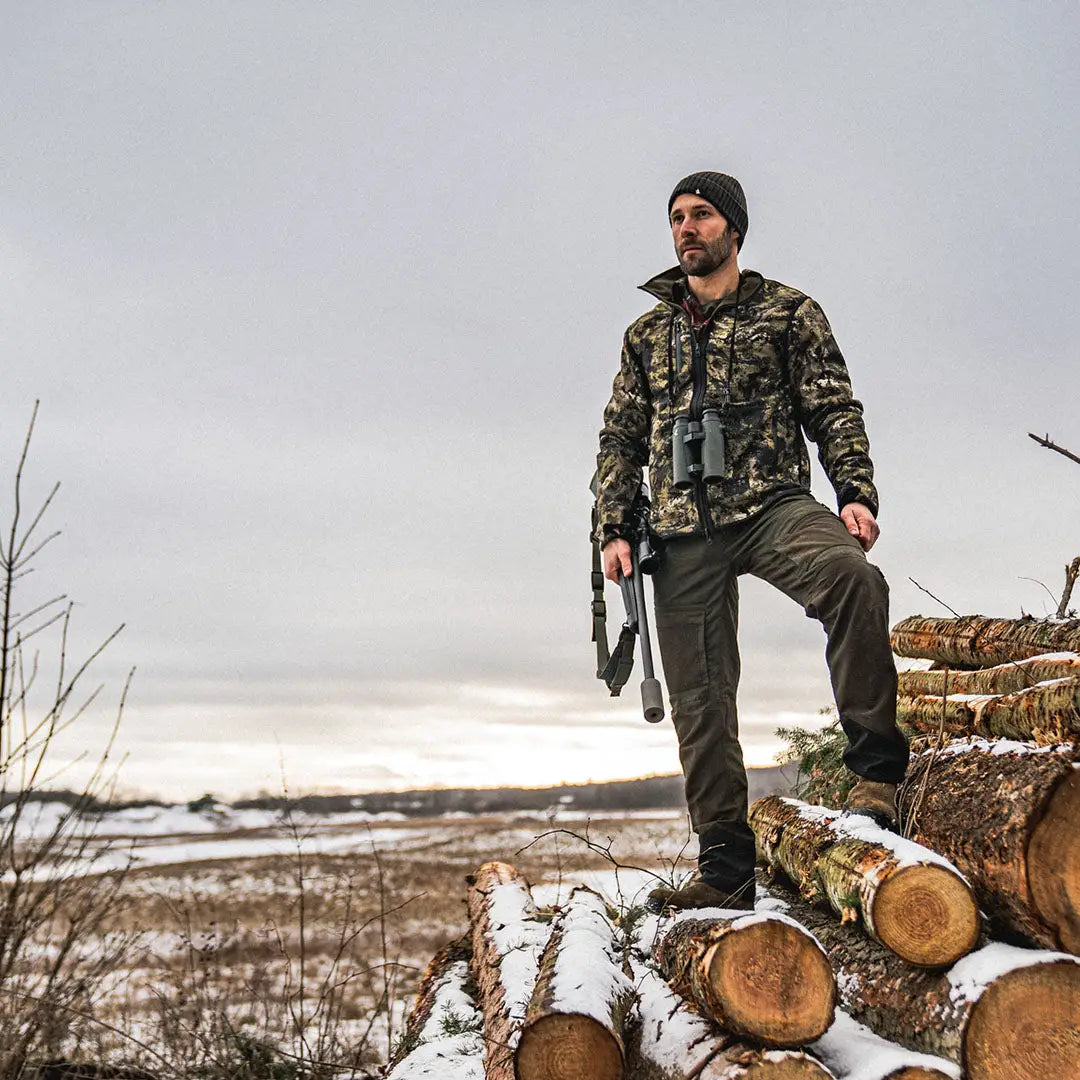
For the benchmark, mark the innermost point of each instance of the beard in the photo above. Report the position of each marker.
(710, 257)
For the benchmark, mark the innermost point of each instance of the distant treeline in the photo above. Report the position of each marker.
(647, 793)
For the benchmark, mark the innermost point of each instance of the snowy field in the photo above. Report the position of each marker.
(270, 923)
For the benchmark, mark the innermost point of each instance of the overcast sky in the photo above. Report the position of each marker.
(323, 301)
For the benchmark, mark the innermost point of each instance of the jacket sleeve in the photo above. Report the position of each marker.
(830, 415)
(624, 446)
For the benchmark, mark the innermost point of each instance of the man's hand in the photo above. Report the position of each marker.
(860, 523)
(616, 555)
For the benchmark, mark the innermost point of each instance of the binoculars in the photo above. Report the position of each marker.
(697, 449)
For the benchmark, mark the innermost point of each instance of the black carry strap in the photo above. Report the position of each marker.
(613, 667)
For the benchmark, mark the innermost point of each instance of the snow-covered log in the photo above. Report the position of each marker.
(909, 898)
(1046, 713)
(1002, 679)
(574, 1026)
(674, 1042)
(1001, 1013)
(758, 975)
(853, 1052)
(1007, 814)
(976, 641)
(507, 942)
(443, 1038)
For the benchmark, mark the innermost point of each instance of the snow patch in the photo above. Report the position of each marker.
(587, 978)
(848, 985)
(443, 1056)
(856, 1053)
(1027, 691)
(519, 939)
(996, 747)
(860, 827)
(672, 1036)
(969, 977)
(742, 919)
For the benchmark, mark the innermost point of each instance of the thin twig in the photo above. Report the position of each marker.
(100, 1023)
(600, 849)
(967, 619)
(1041, 584)
(1051, 445)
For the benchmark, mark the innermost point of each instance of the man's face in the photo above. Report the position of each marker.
(703, 240)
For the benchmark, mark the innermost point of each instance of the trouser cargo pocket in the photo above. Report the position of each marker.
(681, 633)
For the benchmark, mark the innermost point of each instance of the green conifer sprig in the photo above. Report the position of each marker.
(823, 779)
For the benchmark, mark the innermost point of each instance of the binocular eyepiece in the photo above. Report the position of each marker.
(697, 449)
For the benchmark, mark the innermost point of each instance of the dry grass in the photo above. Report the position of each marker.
(305, 964)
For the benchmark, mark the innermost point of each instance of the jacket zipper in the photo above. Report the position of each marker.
(697, 408)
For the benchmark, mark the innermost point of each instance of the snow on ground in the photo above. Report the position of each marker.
(170, 852)
(40, 819)
(151, 836)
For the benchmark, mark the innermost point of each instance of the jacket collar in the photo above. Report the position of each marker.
(671, 288)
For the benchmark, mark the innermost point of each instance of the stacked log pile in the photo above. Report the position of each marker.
(1001, 1012)
(975, 641)
(568, 995)
(1018, 678)
(994, 784)
(953, 952)
(1008, 816)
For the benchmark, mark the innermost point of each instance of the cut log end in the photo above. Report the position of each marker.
(566, 1046)
(1026, 1025)
(784, 1004)
(765, 1066)
(1054, 863)
(926, 915)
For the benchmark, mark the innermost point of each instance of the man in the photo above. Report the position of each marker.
(762, 355)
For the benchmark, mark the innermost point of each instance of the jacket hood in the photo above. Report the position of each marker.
(671, 287)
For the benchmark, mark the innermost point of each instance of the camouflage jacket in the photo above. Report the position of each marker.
(769, 363)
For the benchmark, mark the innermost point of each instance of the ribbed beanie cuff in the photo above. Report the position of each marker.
(723, 191)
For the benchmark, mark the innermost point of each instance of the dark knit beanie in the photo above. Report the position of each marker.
(723, 191)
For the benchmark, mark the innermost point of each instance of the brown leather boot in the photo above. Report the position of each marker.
(874, 800)
(697, 894)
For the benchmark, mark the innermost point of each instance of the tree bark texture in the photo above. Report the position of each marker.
(675, 1042)
(574, 1025)
(908, 899)
(1001, 1013)
(981, 808)
(1047, 714)
(757, 975)
(976, 641)
(507, 941)
(1001, 679)
(441, 997)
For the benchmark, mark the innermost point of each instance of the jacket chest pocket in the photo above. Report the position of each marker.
(746, 438)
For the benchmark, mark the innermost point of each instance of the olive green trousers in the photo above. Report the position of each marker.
(803, 549)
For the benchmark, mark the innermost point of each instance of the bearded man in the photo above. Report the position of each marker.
(731, 345)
